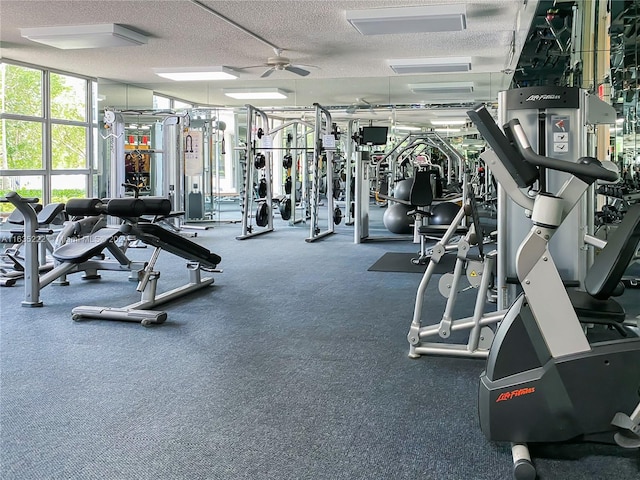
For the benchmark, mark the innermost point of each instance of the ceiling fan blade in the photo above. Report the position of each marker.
(252, 66)
(297, 70)
(268, 72)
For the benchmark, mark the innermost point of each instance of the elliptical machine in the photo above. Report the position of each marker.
(544, 381)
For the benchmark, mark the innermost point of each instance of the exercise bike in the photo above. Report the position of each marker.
(544, 380)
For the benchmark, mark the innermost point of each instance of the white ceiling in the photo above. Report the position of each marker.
(351, 67)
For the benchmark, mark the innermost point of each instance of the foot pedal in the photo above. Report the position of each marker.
(629, 434)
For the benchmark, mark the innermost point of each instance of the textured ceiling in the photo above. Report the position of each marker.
(351, 67)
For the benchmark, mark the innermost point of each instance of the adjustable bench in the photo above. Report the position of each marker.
(198, 257)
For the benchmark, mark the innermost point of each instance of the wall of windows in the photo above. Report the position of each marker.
(47, 133)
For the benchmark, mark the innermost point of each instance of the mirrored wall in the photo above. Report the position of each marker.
(625, 85)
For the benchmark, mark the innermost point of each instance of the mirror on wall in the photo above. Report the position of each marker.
(122, 96)
(624, 87)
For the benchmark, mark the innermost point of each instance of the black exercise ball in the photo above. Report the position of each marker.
(396, 220)
(402, 190)
(443, 213)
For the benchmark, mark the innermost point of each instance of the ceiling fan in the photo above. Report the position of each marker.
(360, 104)
(279, 63)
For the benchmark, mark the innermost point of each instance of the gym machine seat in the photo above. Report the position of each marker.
(604, 278)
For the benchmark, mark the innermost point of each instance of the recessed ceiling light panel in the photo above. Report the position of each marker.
(255, 93)
(430, 65)
(71, 37)
(451, 121)
(445, 88)
(421, 19)
(446, 130)
(192, 74)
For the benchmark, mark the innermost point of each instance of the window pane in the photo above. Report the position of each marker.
(26, 186)
(161, 103)
(22, 145)
(68, 97)
(64, 187)
(95, 102)
(68, 146)
(21, 90)
(178, 105)
(94, 154)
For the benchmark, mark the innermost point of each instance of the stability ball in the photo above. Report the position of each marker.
(396, 220)
(443, 213)
(402, 190)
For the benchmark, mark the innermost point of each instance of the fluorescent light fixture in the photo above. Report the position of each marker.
(447, 88)
(446, 130)
(84, 36)
(187, 74)
(472, 142)
(428, 18)
(255, 93)
(408, 128)
(448, 122)
(430, 65)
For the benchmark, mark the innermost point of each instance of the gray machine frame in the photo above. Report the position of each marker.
(247, 193)
(322, 130)
(362, 192)
(557, 337)
(434, 339)
(539, 110)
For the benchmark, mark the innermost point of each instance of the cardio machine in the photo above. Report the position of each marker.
(544, 380)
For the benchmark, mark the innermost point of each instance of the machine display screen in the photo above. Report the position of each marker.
(374, 135)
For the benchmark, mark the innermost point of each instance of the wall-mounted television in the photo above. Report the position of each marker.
(373, 135)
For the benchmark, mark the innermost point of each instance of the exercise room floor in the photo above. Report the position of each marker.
(292, 366)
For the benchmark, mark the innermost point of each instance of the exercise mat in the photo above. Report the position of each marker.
(401, 262)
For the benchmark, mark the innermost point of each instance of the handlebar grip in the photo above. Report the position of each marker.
(16, 197)
(587, 168)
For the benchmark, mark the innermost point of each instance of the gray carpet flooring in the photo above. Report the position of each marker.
(292, 366)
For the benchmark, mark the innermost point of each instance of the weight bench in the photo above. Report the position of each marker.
(159, 237)
(198, 257)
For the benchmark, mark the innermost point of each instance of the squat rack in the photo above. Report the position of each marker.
(296, 170)
(321, 135)
(248, 166)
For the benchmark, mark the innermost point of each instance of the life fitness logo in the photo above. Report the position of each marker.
(504, 396)
(535, 98)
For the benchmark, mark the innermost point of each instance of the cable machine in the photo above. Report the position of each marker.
(366, 171)
(157, 169)
(204, 160)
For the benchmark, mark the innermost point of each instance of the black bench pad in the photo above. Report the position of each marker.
(157, 236)
(439, 230)
(86, 247)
